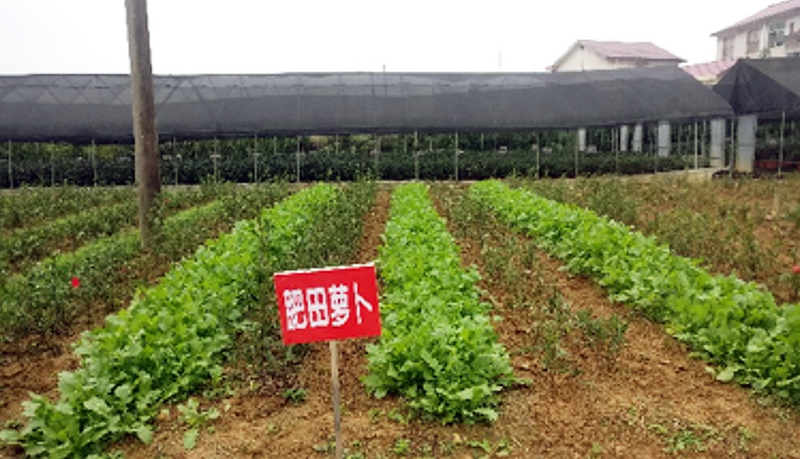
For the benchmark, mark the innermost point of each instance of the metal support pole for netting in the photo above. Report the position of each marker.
(455, 156)
(538, 157)
(377, 152)
(10, 168)
(696, 151)
(256, 154)
(577, 149)
(94, 163)
(177, 158)
(615, 133)
(780, 152)
(214, 158)
(297, 160)
(52, 167)
(416, 156)
(733, 147)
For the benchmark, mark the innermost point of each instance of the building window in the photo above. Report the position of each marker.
(777, 33)
(727, 48)
(753, 41)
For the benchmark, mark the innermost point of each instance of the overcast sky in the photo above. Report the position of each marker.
(252, 36)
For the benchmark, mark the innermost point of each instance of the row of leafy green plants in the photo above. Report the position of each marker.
(438, 349)
(732, 323)
(25, 246)
(175, 337)
(54, 293)
(319, 165)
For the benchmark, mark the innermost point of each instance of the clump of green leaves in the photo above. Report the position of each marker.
(295, 395)
(438, 349)
(195, 419)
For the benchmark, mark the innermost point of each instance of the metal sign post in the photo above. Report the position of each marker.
(297, 159)
(215, 157)
(337, 399)
(416, 156)
(455, 157)
(10, 168)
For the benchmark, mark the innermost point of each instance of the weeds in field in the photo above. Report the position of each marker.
(195, 419)
(554, 333)
(402, 446)
(604, 333)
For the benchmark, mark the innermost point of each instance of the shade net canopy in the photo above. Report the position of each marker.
(82, 108)
(768, 87)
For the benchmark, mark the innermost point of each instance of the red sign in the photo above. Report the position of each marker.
(328, 304)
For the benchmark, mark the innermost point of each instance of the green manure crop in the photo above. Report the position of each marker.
(439, 350)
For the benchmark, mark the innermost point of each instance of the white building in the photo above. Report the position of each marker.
(608, 55)
(772, 32)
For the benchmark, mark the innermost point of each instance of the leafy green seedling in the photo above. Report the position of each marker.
(296, 395)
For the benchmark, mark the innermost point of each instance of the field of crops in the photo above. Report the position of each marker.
(555, 318)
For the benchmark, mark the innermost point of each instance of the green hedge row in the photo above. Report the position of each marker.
(329, 166)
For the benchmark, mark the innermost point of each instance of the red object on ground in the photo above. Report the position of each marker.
(328, 304)
(796, 269)
(76, 282)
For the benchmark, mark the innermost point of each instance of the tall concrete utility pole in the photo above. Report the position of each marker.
(148, 178)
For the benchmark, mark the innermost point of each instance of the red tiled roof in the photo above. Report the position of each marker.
(629, 51)
(770, 11)
(709, 70)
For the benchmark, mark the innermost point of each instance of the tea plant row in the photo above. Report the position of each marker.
(732, 323)
(33, 206)
(25, 246)
(169, 341)
(438, 349)
(750, 227)
(63, 287)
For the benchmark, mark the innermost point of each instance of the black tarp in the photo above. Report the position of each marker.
(81, 108)
(766, 87)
